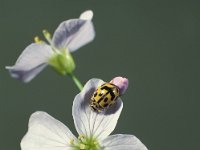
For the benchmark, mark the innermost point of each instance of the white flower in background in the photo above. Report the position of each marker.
(68, 37)
(47, 133)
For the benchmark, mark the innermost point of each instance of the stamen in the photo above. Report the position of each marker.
(71, 141)
(96, 143)
(47, 35)
(81, 138)
(37, 40)
(82, 146)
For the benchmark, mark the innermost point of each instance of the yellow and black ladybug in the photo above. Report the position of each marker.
(104, 96)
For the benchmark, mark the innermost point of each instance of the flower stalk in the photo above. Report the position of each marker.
(76, 81)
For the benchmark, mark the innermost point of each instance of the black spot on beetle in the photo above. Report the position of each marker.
(105, 99)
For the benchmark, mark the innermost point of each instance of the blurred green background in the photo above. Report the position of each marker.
(155, 44)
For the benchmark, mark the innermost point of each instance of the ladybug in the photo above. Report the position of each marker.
(104, 97)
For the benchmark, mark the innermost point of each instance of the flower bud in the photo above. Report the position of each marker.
(121, 83)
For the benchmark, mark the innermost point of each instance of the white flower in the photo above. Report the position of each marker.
(68, 37)
(47, 133)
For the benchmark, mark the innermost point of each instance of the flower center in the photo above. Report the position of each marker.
(62, 60)
(85, 143)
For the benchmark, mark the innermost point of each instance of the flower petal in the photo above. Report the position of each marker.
(87, 15)
(122, 142)
(89, 122)
(32, 60)
(46, 133)
(73, 34)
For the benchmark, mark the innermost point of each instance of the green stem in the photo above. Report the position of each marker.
(77, 82)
